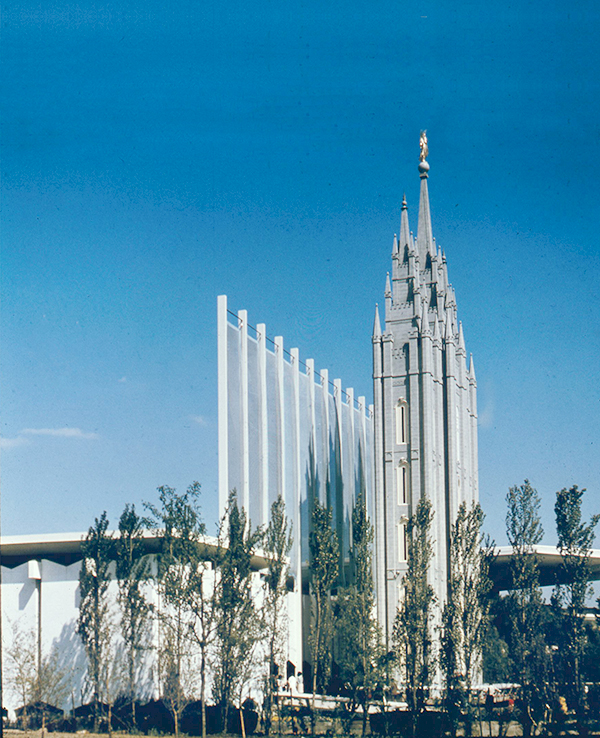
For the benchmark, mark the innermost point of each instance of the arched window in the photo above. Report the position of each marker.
(402, 482)
(402, 543)
(401, 422)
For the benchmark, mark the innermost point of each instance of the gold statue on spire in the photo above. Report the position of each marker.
(424, 146)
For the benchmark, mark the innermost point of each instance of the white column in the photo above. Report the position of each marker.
(243, 333)
(295, 357)
(310, 373)
(324, 374)
(281, 440)
(261, 335)
(222, 403)
(351, 482)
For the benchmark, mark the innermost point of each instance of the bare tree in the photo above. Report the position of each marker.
(49, 685)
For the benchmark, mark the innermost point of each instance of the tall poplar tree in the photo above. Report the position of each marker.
(133, 570)
(575, 540)
(94, 621)
(277, 545)
(237, 630)
(324, 557)
(359, 648)
(203, 603)
(525, 607)
(180, 527)
(465, 613)
(413, 625)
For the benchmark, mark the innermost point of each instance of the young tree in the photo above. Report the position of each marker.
(524, 603)
(203, 603)
(238, 622)
(94, 623)
(132, 572)
(324, 557)
(413, 625)
(359, 645)
(277, 545)
(179, 528)
(465, 614)
(20, 663)
(575, 540)
(51, 685)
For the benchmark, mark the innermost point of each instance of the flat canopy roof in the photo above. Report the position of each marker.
(549, 564)
(65, 548)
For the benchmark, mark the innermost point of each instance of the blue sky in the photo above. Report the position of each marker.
(156, 155)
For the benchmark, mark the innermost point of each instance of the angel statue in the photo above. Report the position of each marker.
(423, 145)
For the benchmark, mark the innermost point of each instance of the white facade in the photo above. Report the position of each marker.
(425, 409)
(40, 603)
(286, 430)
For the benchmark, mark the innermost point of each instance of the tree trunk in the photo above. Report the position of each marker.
(314, 677)
(203, 691)
(242, 722)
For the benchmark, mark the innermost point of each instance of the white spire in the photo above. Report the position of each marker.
(377, 323)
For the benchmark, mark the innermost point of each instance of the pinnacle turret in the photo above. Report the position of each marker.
(376, 323)
(405, 234)
(472, 369)
(461, 338)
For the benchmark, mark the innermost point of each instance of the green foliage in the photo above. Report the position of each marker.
(359, 648)
(237, 628)
(495, 657)
(94, 622)
(465, 615)
(525, 607)
(324, 557)
(575, 540)
(133, 570)
(180, 528)
(413, 625)
(277, 545)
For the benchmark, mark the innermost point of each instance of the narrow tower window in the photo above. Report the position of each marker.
(401, 422)
(402, 550)
(402, 482)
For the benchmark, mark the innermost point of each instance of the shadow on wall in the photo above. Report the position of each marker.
(71, 661)
(26, 592)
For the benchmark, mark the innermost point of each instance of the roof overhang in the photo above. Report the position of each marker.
(65, 548)
(550, 566)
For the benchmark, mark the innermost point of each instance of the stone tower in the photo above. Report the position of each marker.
(425, 407)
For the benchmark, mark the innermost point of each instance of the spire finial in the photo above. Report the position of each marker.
(424, 232)
(404, 203)
(423, 164)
